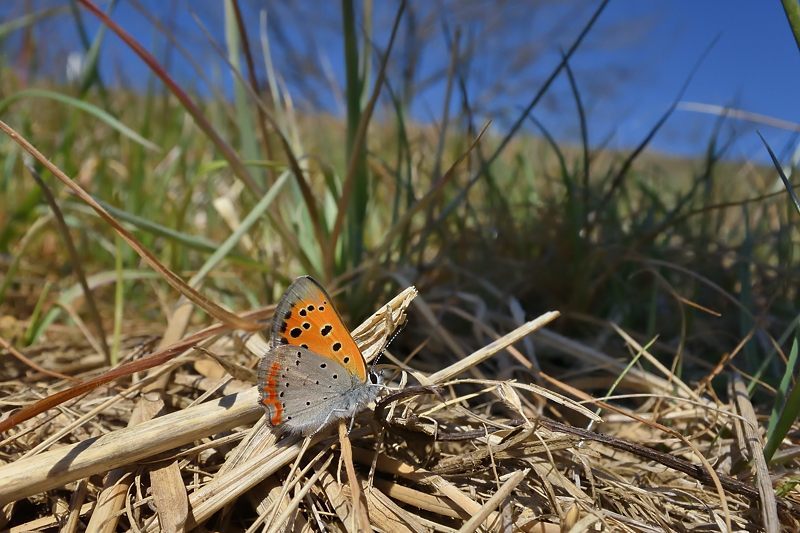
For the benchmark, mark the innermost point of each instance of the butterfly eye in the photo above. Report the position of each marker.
(373, 378)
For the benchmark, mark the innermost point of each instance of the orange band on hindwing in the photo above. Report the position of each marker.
(271, 398)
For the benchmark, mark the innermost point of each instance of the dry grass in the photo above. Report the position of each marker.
(459, 451)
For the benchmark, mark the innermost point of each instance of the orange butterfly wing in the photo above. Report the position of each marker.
(306, 317)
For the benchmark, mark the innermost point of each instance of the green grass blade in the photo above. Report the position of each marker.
(244, 115)
(91, 72)
(792, 10)
(783, 414)
(95, 281)
(354, 92)
(192, 241)
(95, 111)
(31, 233)
(252, 217)
(782, 174)
(119, 301)
(28, 19)
(34, 324)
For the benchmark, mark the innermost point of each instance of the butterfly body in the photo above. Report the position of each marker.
(313, 372)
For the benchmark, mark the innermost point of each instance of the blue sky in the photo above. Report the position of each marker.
(754, 66)
(629, 70)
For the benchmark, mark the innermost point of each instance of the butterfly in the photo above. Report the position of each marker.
(313, 373)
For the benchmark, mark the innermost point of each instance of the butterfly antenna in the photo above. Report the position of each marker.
(388, 342)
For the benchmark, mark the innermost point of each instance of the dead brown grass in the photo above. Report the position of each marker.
(446, 451)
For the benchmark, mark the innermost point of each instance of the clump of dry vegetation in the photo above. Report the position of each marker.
(581, 350)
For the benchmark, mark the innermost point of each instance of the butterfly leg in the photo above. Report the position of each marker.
(331, 416)
(352, 422)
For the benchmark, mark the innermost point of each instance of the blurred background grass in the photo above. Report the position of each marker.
(336, 173)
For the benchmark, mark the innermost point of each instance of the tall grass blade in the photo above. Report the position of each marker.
(90, 72)
(31, 234)
(119, 301)
(792, 10)
(309, 200)
(256, 214)
(75, 259)
(358, 146)
(354, 89)
(29, 19)
(34, 324)
(784, 414)
(93, 110)
(244, 117)
(244, 42)
(784, 179)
